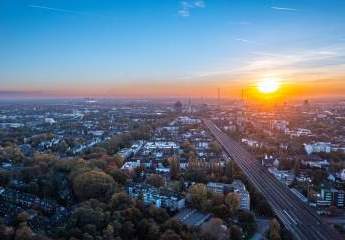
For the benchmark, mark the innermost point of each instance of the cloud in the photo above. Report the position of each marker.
(64, 10)
(243, 40)
(186, 7)
(306, 64)
(199, 4)
(283, 8)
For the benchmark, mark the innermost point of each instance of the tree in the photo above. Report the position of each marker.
(120, 201)
(228, 172)
(155, 180)
(93, 184)
(232, 200)
(235, 233)
(158, 214)
(220, 210)
(215, 147)
(23, 232)
(247, 221)
(274, 231)
(148, 230)
(198, 195)
(318, 176)
(5, 177)
(195, 175)
(23, 217)
(297, 166)
(174, 168)
(119, 176)
(118, 159)
(170, 235)
(213, 229)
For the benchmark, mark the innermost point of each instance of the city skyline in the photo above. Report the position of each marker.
(170, 48)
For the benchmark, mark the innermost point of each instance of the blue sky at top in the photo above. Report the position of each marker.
(47, 45)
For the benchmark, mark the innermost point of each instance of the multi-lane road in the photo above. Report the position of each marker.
(302, 221)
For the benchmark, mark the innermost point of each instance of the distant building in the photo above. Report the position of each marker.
(342, 175)
(316, 164)
(178, 107)
(331, 196)
(286, 177)
(251, 143)
(130, 165)
(185, 120)
(281, 125)
(317, 147)
(49, 120)
(125, 153)
(160, 145)
(269, 161)
(159, 197)
(236, 186)
(192, 217)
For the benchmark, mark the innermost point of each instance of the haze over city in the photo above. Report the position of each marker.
(170, 48)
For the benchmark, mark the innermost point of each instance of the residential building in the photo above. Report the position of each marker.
(236, 186)
(159, 197)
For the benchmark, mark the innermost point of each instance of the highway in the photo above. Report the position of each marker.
(299, 218)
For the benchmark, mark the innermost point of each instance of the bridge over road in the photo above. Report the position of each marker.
(299, 218)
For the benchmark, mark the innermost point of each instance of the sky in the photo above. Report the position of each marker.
(151, 48)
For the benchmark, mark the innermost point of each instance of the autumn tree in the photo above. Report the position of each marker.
(215, 147)
(228, 172)
(170, 235)
(274, 231)
(247, 222)
(174, 168)
(198, 195)
(93, 184)
(235, 233)
(119, 176)
(214, 230)
(155, 180)
(232, 200)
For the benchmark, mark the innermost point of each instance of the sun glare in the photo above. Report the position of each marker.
(268, 85)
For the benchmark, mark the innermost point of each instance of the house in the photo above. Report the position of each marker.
(160, 145)
(331, 196)
(251, 143)
(160, 197)
(236, 186)
(316, 164)
(317, 147)
(286, 177)
(269, 161)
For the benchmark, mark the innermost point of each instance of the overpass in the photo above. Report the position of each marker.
(298, 218)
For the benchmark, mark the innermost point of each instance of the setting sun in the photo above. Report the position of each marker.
(269, 85)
